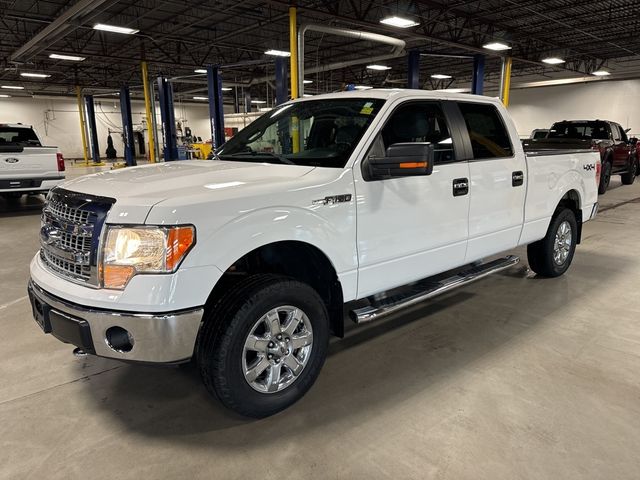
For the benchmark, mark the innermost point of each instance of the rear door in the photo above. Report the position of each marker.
(497, 170)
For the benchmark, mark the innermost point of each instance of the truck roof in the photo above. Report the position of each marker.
(14, 125)
(387, 93)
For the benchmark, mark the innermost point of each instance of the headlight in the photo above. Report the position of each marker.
(129, 251)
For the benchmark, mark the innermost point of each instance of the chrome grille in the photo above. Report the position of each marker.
(71, 225)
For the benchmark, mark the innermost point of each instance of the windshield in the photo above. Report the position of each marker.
(318, 133)
(18, 136)
(580, 130)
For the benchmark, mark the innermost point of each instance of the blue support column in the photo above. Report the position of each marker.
(93, 132)
(127, 127)
(281, 81)
(216, 111)
(247, 102)
(167, 115)
(477, 81)
(413, 69)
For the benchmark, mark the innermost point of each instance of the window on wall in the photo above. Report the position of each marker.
(417, 122)
(489, 136)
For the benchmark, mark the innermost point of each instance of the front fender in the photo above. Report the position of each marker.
(336, 239)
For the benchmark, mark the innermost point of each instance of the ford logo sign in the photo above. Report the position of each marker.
(12, 160)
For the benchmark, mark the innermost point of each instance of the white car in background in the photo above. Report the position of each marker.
(27, 167)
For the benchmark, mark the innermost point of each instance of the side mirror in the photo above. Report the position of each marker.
(403, 160)
(633, 141)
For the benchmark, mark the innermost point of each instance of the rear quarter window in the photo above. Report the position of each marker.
(487, 132)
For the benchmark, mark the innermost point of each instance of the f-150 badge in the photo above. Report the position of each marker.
(330, 200)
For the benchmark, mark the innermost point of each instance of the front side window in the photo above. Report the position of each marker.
(417, 122)
(18, 136)
(487, 132)
(319, 133)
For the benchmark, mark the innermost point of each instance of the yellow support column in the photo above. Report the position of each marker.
(293, 49)
(506, 80)
(83, 131)
(293, 70)
(147, 106)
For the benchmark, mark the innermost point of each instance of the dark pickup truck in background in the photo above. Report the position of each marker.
(618, 153)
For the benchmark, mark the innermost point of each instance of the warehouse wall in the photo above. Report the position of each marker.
(611, 100)
(57, 120)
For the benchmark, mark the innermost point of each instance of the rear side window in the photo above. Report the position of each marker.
(18, 137)
(489, 137)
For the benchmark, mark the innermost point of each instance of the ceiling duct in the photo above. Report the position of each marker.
(397, 50)
(63, 25)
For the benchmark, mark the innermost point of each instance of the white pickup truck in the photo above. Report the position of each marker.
(26, 167)
(344, 202)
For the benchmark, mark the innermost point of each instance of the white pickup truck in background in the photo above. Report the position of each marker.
(27, 167)
(355, 201)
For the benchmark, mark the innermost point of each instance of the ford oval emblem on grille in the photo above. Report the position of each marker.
(12, 160)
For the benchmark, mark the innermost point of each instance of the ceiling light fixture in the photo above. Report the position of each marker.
(278, 53)
(363, 87)
(553, 60)
(307, 82)
(200, 70)
(12, 87)
(71, 58)
(601, 73)
(3, 95)
(440, 76)
(378, 67)
(201, 98)
(496, 46)
(114, 29)
(258, 102)
(35, 75)
(226, 89)
(399, 22)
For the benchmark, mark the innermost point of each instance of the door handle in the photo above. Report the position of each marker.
(460, 187)
(517, 179)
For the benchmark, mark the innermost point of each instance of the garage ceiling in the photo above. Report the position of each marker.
(177, 36)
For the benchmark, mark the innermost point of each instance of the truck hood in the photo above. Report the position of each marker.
(137, 189)
(154, 183)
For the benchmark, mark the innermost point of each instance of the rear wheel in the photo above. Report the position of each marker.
(552, 256)
(629, 177)
(263, 344)
(605, 177)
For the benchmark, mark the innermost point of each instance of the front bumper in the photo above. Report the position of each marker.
(155, 337)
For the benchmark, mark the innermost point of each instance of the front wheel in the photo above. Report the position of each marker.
(551, 256)
(263, 344)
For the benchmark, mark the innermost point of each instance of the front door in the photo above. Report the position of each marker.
(621, 148)
(412, 227)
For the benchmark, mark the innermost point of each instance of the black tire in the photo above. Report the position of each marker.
(220, 346)
(605, 177)
(629, 177)
(541, 253)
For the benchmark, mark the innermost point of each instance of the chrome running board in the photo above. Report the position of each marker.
(387, 306)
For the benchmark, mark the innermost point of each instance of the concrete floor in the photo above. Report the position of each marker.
(511, 378)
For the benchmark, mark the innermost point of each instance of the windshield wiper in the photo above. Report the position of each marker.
(281, 158)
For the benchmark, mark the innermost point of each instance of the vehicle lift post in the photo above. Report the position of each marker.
(281, 81)
(93, 132)
(216, 111)
(83, 128)
(165, 94)
(413, 69)
(505, 80)
(127, 127)
(477, 81)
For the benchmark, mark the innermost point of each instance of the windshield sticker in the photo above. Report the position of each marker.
(367, 109)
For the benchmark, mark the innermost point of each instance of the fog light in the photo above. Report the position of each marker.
(119, 339)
